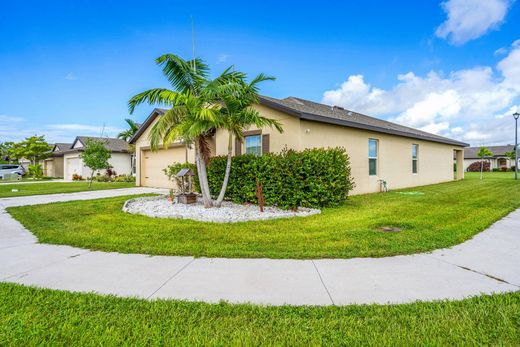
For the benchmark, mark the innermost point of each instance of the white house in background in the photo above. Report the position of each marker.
(498, 161)
(121, 160)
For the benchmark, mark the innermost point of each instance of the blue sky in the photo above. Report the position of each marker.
(450, 67)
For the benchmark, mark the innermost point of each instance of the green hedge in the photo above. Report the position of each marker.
(311, 178)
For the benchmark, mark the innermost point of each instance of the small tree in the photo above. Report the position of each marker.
(483, 152)
(33, 148)
(95, 157)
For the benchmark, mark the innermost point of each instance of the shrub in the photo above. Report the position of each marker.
(475, 167)
(496, 169)
(36, 170)
(103, 178)
(503, 169)
(124, 178)
(76, 177)
(172, 170)
(513, 168)
(310, 178)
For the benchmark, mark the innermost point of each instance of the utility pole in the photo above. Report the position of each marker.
(516, 115)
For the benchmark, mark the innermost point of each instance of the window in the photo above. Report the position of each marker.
(415, 150)
(254, 144)
(372, 156)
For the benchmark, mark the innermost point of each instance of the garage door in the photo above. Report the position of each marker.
(72, 167)
(153, 164)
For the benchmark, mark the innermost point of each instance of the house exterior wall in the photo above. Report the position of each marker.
(72, 163)
(394, 163)
(435, 160)
(176, 152)
(53, 167)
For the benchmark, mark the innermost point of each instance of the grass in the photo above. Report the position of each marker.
(56, 187)
(29, 179)
(30, 316)
(442, 215)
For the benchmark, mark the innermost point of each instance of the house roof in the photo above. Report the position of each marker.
(498, 151)
(142, 127)
(62, 146)
(313, 111)
(113, 144)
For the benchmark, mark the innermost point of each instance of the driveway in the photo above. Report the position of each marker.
(488, 263)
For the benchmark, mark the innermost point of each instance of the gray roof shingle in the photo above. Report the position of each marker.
(498, 151)
(113, 144)
(314, 111)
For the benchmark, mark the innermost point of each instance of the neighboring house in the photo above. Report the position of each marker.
(378, 150)
(499, 159)
(121, 159)
(53, 166)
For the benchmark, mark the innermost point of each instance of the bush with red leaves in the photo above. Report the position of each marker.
(475, 167)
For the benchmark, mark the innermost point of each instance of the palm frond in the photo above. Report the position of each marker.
(154, 96)
(183, 75)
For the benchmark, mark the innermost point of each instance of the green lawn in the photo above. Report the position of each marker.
(30, 317)
(442, 215)
(29, 179)
(56, 187)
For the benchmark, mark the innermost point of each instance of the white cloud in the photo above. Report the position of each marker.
(17, 128)
(470, 19)
(71, 77)
(472, 104)
(222, 58)
(10, 119)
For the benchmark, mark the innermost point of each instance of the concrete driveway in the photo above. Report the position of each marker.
(488, 263)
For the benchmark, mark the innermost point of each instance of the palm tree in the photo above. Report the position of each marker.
(238, 115)
(483, 152)
(193, 109)
(127, 134)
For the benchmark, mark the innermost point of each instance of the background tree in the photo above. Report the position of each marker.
(238, 115)
(511, 155)
(483, 152)
(33, 148)
(132, 129)
(5, 149)
(95, 157)
(194, 109)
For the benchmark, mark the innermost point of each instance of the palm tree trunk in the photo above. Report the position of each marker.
(203, 178)
(226, 175)
(481, 167)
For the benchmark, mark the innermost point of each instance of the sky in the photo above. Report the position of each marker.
(68, 68)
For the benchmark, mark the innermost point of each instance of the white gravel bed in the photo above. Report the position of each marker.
(160, 207)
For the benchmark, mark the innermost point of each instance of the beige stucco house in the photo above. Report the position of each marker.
(53, 166)
(378, 150)
(71, 162)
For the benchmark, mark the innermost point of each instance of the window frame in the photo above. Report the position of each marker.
(255, 134)
(415, 159)
(373, 158)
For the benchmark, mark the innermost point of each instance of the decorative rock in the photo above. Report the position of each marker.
(230, 212)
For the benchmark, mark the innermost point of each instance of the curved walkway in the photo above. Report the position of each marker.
(488, 263)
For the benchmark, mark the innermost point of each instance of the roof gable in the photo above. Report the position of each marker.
(148, 121)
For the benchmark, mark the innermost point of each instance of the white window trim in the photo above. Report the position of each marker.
(376, 157)
(416, 159)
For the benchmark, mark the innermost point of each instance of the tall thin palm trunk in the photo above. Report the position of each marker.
(203, 177)
(226, 175)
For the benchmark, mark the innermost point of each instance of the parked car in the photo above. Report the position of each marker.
(11, 169)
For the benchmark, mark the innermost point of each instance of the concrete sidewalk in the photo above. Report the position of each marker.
(489, 263)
